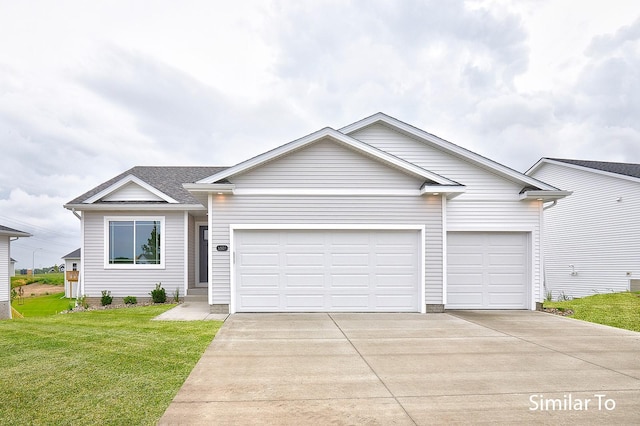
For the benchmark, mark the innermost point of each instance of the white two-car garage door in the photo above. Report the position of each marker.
(487, 270)
(327, 270)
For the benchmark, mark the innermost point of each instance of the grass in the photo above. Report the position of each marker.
(54, 278)
(620, 310)
(97, 367)
(42, 305)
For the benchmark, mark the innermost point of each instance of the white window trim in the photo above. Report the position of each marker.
(138, 266)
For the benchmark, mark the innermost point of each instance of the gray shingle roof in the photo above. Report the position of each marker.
(625, 169)
(5, 230)
(167, 179)
(73, 255)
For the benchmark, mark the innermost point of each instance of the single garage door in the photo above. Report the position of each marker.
(487, 270)
(327, 270)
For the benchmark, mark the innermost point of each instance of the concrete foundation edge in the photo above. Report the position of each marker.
(219, 309)
(435, 308)
(5, 310)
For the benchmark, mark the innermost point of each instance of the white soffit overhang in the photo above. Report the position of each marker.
(125, 181)
(336, 136)
(544, 195)
(446, 146)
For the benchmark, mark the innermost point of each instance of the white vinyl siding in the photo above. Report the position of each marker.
(426, 211)
(132, 192)
(320, 270)
(480, 182)
(327, 164)
(4, 268)
(591, 230)
(133, 281)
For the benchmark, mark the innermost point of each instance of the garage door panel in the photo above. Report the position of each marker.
(304, 259)
(349, 281)
(304, 281)
(487, 270)
(330, 270)
(259, 281)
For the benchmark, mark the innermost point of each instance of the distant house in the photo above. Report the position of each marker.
(591, 239)
(71, 269)
(378, 216)
(6, 236)
(12, 267)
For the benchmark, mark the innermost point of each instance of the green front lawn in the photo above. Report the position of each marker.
(620, 310)
(42, 305)
(112, 366)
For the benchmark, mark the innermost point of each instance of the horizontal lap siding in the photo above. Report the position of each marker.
(327, 210)
(592, 231)
(480, 182)
(326, 164)
(4, 268)
(132, 282)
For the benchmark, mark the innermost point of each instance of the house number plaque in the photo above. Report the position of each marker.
(222, 248)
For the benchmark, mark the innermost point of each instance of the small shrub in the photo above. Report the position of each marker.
(159, 295)
(176, 295)
(82, 301)
(564, 297)
(130, 300)
(106, 298)
(549, 296)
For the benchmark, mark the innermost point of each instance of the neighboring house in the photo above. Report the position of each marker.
(6, 236)
(378, 216)
(71, 269)
(591, 238)
(12, 267)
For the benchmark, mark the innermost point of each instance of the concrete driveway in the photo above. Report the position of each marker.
(459, 367)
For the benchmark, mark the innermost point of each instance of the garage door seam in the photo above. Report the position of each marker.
(545, 347)
(372, 370)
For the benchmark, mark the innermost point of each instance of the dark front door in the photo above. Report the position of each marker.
(203, 251)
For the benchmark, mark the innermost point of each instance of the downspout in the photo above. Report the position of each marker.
(553, 203)
(75, 213)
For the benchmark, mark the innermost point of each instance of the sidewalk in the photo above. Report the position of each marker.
(191, 311)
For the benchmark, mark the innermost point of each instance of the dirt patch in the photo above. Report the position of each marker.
(561, 312)
(36, 289)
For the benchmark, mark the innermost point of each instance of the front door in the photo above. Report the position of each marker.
(203, 257)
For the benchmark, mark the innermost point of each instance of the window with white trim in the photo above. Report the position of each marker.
(134, 242)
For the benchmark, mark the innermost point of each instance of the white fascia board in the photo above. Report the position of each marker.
(542, 161)
(224, 188)
(122, 182)
(338, 137)
(16, 233)
(133, 206)
(449, 190)
(544, 195)
(446, 146)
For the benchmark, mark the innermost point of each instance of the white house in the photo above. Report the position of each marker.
(12, 267)
(377, 216)
(591, 238)
(6, 236)
(71, 269)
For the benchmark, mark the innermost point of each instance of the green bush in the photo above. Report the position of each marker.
(106, 298)
(159, 295)
(130, 300)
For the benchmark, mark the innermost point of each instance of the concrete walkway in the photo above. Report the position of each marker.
(459, 367)
(191, 311)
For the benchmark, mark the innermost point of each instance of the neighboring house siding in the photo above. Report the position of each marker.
(132, 282)
(359, 210)
(592, 231)
(480, 183)
(4, 268)
(326, 164)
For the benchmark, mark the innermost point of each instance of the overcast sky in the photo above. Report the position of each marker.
(89, 89)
